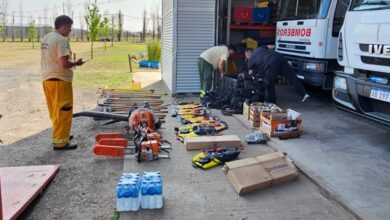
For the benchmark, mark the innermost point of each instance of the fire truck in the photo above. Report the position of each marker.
(364, 52)
(307, 34)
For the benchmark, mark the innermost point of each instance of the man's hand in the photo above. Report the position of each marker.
(221, 75)
(79, 62)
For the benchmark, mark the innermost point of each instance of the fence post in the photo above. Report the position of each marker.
(130, 66)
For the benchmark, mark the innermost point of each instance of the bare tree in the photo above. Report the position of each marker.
(13, 26)
(69, 8)
(45, 18)
(21, 21)
(81, 28)
(120, 25)
(144, 26)
(54, 15)
(4, 14)
(39, 28)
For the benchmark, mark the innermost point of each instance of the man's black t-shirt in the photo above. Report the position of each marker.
(258, 60)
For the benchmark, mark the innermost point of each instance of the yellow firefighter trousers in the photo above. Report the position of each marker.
(59, 99)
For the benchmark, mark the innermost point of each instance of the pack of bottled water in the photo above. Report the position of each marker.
(128, 191)
(151, 191)
(134, 191)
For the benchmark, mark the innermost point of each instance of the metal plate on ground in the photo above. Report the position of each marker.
(21, 185)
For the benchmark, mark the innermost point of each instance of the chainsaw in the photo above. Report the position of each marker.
(142, 123)
(201, 129)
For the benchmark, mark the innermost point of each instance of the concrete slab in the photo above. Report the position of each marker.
(196, 194)
(346, 154)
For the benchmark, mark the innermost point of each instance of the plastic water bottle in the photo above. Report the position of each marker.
(120, 200)
(144, 195)
(128, 192)
(152, 195)
(159, 193)
(151, 190)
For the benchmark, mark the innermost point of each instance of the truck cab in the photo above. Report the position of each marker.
(364, 52)
(308, 34)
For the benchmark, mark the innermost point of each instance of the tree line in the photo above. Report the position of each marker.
(99, 26)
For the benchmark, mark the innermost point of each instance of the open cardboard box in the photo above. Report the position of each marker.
(255, 173)
(281, 124)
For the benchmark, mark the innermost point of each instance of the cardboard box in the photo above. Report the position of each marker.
(255, 173)
(205, 142)
(245, 111)
(281, 124)
(255, 113)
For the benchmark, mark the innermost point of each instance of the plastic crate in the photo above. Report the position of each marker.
(261, 15)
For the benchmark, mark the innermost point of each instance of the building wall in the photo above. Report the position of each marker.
(195, 33)
(188, 28)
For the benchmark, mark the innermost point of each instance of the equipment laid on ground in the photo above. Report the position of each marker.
(233, 92)
(142, 124)
(120, 101)
(257, 138)
(214, 157)
(192, 119)
(196, 130)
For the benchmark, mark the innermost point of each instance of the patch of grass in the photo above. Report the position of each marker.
(108, 69)
(116, 216)
(154, 50)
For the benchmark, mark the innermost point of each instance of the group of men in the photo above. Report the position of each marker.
(57, 75)
(263, 60)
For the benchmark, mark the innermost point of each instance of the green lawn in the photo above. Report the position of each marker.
(108, 69)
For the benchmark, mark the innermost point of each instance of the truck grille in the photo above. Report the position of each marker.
(342, 96)
(379, 106)
(375, 61)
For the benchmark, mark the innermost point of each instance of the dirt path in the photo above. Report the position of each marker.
(83, 189)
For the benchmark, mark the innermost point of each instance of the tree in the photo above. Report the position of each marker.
(32, 32)
(93, 20)
(21, 21)
(144, 26)
(3, 18)
(120, 25)
(105, 29)
(45, 18)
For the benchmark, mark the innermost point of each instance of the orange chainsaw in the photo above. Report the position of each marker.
(142, 123)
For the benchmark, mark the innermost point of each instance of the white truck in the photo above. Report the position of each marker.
(364, 52)
(307, 35)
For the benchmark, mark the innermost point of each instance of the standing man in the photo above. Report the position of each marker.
(57, 75)
(265, 60)
(210, 60)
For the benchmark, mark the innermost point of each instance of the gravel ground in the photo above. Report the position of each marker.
(84, 186)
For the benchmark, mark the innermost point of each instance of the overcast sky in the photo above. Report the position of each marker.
(132, 9)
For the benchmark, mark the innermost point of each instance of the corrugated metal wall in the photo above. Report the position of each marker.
(195, 33)
(167, 43)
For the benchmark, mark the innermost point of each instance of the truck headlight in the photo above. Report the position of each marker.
(318, 67)
(340, 83)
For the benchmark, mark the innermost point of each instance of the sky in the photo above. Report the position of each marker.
(34, 9)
